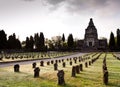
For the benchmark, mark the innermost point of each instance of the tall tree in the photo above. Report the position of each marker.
(27, 45)
(118, 39)
(112, 42)
(14, 43)
(70, 41)
(63, 37)
(31, 43)
(36, 41)
(42, 41)
(3, 40)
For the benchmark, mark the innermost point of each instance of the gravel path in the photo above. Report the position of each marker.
(45, 60)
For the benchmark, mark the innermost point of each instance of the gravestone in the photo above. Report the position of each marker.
(36, 72)
(104, 67)
(75, 60)
(70, 62)
(73, 71)
(105, 77)
(62, 60)
(42, 63)
(52, 62)
(64, 64)
(86, 65)
(67, 59)
(77, 69)
(89, 62)
(59, 61)
(81, 67)
(55, 66)
(56, 61)
(34, 65)
(48, 63)
(60, 75)
(16, 68)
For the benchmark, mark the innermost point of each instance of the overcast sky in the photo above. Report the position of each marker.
(55, 17)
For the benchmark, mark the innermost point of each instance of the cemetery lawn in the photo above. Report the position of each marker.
(89, 77)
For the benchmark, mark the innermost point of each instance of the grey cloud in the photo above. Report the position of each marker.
(54, 2)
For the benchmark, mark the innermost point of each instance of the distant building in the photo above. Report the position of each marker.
(91, 41)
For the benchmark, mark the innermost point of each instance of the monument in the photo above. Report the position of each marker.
(91, 41)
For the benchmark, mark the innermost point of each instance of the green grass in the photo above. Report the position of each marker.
(89, 77)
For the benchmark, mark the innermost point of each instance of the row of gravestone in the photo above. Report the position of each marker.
(21, 56)
(75, 70)
(16, 67)
(116, 56)
(105, 71)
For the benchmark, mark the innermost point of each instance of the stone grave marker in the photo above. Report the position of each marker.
(16, 68)
(36, 72)
(34, 65)
(73, 71)
(42, 63)
(64, 64)
(60, 75)
(55, 66)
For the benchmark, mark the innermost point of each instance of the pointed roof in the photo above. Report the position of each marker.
(91, 22)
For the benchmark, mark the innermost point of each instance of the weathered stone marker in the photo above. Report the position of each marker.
(56, 61)
(52, 62)
(42, 63)
(86, 65)
(81, 67)
(55, 66)
(89, 63)
(60, 75)
(34, 65)
(105, 77)
(16, 68)
(73, 71)
(70, 62)
(75, 60)
(36, 72)
(59, 61)
(64, 64)
(48, 63)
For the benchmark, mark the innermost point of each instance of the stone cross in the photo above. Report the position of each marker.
(42, 63)
(34, 65)
(60, 75)
(36, 72)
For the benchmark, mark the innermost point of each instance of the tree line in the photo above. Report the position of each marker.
(114, 42)
(35, 43)
(39, 43)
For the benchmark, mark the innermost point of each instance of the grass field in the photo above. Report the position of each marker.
(89, 77)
